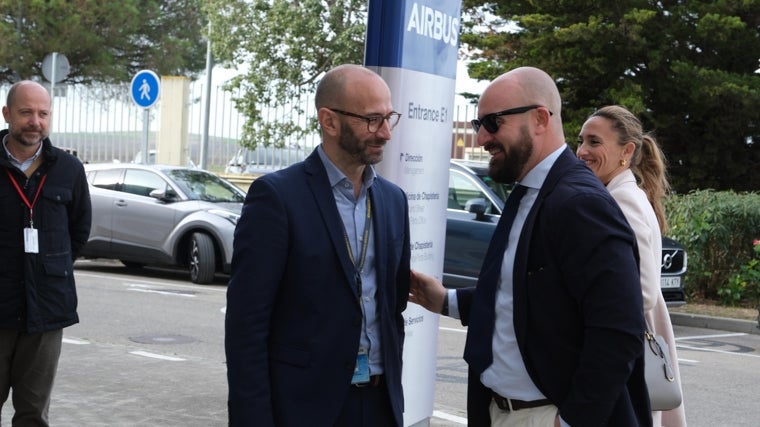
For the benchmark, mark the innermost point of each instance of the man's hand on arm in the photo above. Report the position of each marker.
(427, 291)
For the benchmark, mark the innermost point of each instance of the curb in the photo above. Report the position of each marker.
(720, 323)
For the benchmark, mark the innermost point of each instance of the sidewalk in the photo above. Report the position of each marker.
(712, 322)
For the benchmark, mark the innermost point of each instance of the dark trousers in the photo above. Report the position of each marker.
(28, 363)
(367, 407)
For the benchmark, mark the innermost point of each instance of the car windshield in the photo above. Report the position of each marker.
(201, 185)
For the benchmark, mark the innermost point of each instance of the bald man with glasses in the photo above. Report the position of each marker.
(320, 275)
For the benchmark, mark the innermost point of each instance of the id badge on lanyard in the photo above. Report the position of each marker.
(31, 241)
(31, 236)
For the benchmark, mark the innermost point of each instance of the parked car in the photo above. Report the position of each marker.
(475, 204)
(163, 215)
(139, 157)
(263, 160)
(152, 159)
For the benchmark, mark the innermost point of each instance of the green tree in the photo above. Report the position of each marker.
(688, 69)
(282, 47)
(104, 41)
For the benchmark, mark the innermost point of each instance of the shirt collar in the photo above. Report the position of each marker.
(536, 177)
(335, 176)
(15, 161)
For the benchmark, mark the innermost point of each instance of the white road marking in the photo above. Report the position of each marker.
(732, 353)
(133, 281)
(699, 337)
(157, 356)
(453, 330)
(75, 341)
(156, 291)
(449, 417)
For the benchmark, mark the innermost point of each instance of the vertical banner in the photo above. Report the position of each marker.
(413, 46)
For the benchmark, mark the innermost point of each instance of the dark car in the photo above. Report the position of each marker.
(475, 203)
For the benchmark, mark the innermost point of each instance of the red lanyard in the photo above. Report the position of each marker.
(23, 196)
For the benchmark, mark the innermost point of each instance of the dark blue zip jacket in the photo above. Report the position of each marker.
(37, 291)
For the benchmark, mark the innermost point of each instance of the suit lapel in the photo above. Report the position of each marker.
(563, 163)
(380, 230)
(319, 185)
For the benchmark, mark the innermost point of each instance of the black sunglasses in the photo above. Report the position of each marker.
(490, 122)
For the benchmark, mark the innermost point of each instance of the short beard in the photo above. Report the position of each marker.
(513, 162)
(351, 144)
(19, 136)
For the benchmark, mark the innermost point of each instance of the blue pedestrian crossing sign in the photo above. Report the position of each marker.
(145, 88)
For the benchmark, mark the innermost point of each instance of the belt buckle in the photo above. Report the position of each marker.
(511, 405)
(374, 381)
(504, 403)
(362, 385)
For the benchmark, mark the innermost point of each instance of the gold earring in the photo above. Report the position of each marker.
(622, 162)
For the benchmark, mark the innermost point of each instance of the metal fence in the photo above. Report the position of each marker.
(103, 124)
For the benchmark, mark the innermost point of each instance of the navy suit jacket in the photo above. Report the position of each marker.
(578, 311)
(293, 319)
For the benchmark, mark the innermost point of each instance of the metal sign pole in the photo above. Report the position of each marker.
(145, 90)
(53, 76)
(146, 128)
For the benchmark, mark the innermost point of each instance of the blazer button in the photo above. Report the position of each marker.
(357, 321)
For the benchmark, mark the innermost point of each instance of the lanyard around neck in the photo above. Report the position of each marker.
(21, 194)
(365, 243)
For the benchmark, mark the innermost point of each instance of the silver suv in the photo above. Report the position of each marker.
(163, 215)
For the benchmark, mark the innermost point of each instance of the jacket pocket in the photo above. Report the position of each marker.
(58, 265)
(290, 355)
(55, 201)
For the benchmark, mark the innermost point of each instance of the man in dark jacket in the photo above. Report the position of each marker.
(45, 216)
(555, 325)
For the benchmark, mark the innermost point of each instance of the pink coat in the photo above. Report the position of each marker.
(640, 215)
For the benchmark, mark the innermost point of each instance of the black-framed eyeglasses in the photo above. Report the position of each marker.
(491, 123)
(374, 121)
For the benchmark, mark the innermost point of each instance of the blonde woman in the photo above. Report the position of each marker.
(631, 165)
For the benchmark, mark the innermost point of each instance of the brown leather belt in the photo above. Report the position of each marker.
(515, 405)
(374, 381)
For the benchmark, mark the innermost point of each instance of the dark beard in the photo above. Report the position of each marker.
(351, 144)
(509, 167)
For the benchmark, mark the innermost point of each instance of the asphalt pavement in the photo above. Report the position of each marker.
(108, 387)
(83, 396)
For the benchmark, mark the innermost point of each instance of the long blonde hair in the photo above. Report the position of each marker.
(648, 162)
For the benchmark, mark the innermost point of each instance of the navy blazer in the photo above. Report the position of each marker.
(293, 319)
(578, 310)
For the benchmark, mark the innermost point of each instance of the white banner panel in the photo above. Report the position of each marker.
(413, 46)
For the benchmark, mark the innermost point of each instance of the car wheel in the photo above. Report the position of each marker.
(130, 264)
(202, 259)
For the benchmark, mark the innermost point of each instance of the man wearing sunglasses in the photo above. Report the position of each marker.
(555, 324)
(320, 275)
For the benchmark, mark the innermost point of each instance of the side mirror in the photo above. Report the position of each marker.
(168, 195)
(477, 207)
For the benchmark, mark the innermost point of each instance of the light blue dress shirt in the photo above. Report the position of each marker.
(353, 212)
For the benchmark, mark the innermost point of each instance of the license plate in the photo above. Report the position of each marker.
(670, 282)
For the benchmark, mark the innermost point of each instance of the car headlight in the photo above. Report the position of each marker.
(229, 216)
